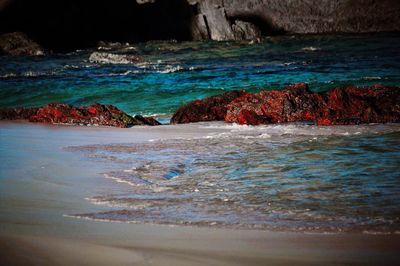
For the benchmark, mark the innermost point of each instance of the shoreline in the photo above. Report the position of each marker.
(36, 191)
(154, 245)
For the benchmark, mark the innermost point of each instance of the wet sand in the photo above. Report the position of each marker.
(40, 182)
(153, 245)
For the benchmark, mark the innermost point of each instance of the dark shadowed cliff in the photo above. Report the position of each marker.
(70, 24)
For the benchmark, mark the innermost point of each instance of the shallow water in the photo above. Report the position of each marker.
(291, 177)
(173, 73)
(279, 177)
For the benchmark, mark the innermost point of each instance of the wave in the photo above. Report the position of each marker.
(171, 69)
(275, 133)
(163, 68)
(306, 129)
(371, 78)
(138, 215)
(310, 49)
(29, 74)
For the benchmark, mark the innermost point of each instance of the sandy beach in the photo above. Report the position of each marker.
(199, 132)
(41, 182)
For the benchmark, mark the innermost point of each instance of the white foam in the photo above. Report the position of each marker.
(371, 78)
(126, 73)
(120, 180)
(8, 75)
(170, 69)
(310, 48)
(29, 74)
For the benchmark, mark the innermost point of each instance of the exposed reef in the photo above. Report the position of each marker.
(94, 115)
(296, 103)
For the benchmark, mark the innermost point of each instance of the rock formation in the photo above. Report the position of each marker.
(66, 25)
(95, 115)
(111, 58)
(18, 44)
(249, 19)
(209, 109)
(296, 103)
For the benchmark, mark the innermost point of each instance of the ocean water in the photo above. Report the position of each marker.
(171, 73)
(289, 177)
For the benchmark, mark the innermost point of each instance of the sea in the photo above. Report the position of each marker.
(284, 177)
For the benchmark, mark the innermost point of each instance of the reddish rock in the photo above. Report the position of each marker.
(352, 105)
(209, 109)
(293, 103)
(97, 114)
(296, 103)
(340, 106)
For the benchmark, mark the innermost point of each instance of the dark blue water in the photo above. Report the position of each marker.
(173, 73)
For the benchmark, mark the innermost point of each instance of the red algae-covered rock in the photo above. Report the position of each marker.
(353, 105)
(209, 109)
(296, 103)
(97, 114)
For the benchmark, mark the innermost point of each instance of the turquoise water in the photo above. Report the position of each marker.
(174, 73)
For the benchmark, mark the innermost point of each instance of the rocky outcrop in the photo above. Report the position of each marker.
(66, 25)
(352, 105)
(18, 44)
(293, 103)
(112, 58)
(94, 115)
(148, 121)
(296, 103)
(224, 20)
(209, 109)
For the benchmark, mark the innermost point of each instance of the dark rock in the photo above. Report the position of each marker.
(147, 120)
(17, 113)
(245, 31)
(96, 115)
(66, 25)
(209, 109)
(296, 103)
(294, 16)
(18, 44)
